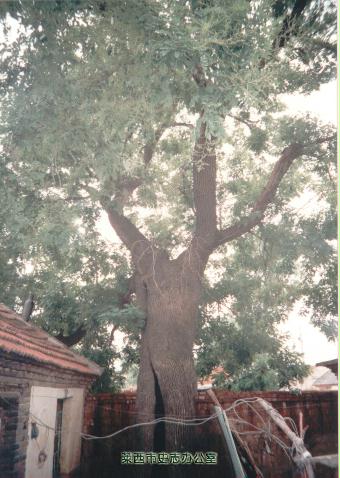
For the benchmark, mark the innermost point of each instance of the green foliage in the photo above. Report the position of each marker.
(268, 372)
(257, 140)
(87, 84)
(252, 354)
(111, 380)
(256, 284)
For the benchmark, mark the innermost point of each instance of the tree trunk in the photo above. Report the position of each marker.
(167, 379)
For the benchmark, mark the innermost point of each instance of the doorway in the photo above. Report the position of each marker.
(57, 438)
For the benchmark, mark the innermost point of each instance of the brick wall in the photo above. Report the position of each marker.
(105, 413)
(17, 376)
(8, 426)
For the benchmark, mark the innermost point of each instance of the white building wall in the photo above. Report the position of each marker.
(71, 428)
(43, 407)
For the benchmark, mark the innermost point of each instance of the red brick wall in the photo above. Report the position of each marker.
(105, 413)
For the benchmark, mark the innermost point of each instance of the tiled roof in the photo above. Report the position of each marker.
(331, 364)
(327, 378)
(27, 340)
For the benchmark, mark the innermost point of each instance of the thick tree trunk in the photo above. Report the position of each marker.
(167, 380)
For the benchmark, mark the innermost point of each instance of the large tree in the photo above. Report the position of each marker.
(163, 114)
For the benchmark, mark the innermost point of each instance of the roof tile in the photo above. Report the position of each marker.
(27, 340)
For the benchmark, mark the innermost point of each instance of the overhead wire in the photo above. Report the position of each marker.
(153, 422)
(198, 421)
(290, 451)
(175, 421)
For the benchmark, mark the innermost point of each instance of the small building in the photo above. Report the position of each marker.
(327, 381)
(42, 389)
(331, 364)
(209, 379)
(320, 378)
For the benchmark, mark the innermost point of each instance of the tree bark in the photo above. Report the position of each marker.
(167, 379)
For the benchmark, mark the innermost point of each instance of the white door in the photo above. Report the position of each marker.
(43, 445)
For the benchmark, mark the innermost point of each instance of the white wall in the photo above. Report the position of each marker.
(71, 428)
(43, 408)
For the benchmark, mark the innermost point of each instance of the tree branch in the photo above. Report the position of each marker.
(150, 147)
(128, 185)
(73, 338)
(127, 232)
(186, 125)
(288, 28)
(204, 186)
(126, 297)
(199, 76)
(325, 139)
(248, 123)
(330, 47)
(76, 198)
(139, 246)
(267, 195)
(130, 235)
(112, 335)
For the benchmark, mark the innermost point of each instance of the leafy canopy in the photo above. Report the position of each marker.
(93, 90)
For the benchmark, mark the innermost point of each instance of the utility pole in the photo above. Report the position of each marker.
(224, 424)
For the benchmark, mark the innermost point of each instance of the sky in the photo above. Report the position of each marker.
(304, 337)
(322, 103)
